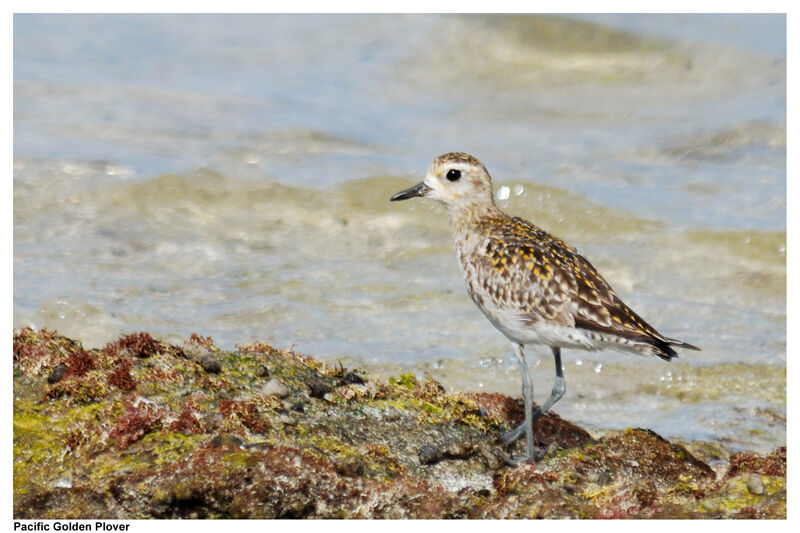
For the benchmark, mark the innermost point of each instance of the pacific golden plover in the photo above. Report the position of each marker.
(532, 286)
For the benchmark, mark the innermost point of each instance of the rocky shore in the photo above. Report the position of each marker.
(143, 429)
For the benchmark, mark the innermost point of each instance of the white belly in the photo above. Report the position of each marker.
(519, 328)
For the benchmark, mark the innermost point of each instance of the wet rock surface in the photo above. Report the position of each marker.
(755, 485)
(57, 373)
(275, 388)
(210, 364)
(139, 429)
(430, 454)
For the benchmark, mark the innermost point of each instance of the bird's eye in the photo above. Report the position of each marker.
(453, 174)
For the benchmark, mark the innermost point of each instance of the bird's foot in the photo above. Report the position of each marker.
(514, 462)
(513, 435)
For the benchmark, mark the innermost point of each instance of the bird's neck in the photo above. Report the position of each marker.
(464, 219)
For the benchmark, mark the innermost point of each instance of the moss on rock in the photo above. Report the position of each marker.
(143, 429)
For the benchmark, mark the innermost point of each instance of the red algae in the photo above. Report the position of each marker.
(75, 439)
(258, 347)
(137, 419)
(504, 409)
(121, 377)
(205, 342)
(139, 345)
(773, 464)
(245, 412)
(550, 428)
(79, 363)
(188, 422)
(39, 351)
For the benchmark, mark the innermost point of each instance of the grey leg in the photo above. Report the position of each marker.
(559, 388)
(527, 395)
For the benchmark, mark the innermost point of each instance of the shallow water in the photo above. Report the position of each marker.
(231, 175)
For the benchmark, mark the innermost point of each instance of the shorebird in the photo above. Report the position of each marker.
(532, 286)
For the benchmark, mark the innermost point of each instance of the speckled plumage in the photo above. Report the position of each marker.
(537, 289)
(532, 286)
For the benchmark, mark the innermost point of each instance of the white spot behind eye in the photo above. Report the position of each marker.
(503, 192)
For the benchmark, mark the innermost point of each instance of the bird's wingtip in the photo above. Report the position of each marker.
(684, 345)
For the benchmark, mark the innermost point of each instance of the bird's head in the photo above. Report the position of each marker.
(457, 180)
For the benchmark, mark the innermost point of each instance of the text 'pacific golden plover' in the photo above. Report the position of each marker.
(532, 286)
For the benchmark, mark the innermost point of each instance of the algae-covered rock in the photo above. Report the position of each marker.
(143, 429)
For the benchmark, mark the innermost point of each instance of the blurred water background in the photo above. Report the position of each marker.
(230, 175)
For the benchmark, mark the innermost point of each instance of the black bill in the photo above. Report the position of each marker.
(420, 189)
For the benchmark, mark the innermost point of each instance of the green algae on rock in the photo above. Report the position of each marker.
(142, 429)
